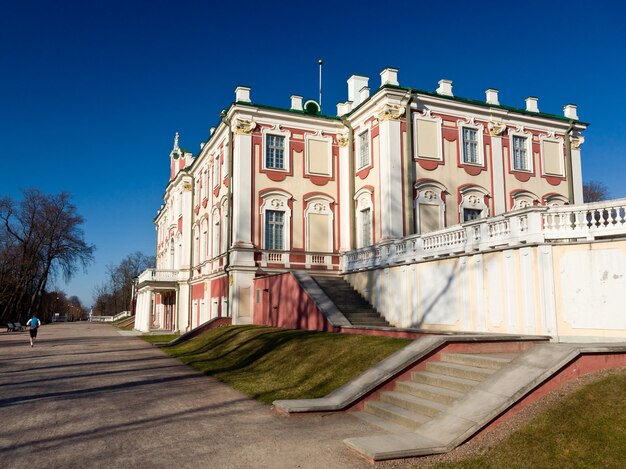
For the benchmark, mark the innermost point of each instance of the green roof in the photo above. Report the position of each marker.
(484, 104)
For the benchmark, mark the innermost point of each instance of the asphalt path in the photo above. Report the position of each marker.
(88, 395)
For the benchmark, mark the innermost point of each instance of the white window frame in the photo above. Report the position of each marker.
(196, 245)
(204, 231)
(363, 201)
(427, 116)
(555, 200)
(329, 142)
(529, 151)
(473, 197)
(544, 139)
(480, 150)
(524, 199)
(215, 232)
(225, 225)
(286, 149)
(359, 163)
(216, 169)
(429, 193)
(203, 184)
(277, 201)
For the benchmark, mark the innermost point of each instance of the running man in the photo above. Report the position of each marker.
(34, 324)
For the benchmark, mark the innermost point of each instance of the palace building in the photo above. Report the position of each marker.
(291, 189)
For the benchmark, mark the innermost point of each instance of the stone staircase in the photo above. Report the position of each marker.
(429, 392)
(353, 306)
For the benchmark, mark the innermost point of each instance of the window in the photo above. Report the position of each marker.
(275, 152)
(520, 154)
(366, 227)
(203, 184)
(274, 230)
(364, 149)
(216, 170)
(471, 214)
(470, 146)
(473, 203)
(216, 233)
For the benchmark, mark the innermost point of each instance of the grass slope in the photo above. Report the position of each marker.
(585, 430)
(269, 364)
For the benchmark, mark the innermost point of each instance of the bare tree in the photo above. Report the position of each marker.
(43, 238)
(115, 295)
(595, 191)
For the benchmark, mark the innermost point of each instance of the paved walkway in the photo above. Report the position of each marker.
(88, 396)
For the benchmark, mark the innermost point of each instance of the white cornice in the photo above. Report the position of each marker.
(448, 106)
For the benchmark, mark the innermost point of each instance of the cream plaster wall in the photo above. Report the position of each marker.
(572, 292)
(297, 186)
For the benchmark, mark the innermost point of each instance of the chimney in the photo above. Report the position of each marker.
(343, 108)
(570, 111)
(389, 76)
(445, 88)
(492, 96)
(355, 84)
(531, 104)
(242, 94)
(364, 93)
(296, 102)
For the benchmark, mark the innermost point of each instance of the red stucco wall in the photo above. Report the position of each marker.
(279, 301)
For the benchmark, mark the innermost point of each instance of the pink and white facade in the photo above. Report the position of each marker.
(278, 189)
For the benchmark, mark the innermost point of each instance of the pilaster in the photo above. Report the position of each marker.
(345, 227)
(577, 174)
(496, 129)
(391, 172)
(242, 187)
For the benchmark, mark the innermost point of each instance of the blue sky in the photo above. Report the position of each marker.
(91, 93)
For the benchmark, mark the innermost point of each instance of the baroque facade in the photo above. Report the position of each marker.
(276, 189)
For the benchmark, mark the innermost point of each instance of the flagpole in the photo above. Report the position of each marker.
(320, 62)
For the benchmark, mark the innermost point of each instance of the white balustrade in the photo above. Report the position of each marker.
(536, 224)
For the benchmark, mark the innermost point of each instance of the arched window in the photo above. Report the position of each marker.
(364, 217)
(473, 203)
(225, 225)
(555, 200)
(216, 232)
(276, 221)
(430, 206)
(203, 240)
(523, 199)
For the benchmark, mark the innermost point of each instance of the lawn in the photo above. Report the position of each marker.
(269, 364)
(160, 338)
(585, 430)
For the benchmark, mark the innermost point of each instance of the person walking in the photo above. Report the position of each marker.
(34, 324)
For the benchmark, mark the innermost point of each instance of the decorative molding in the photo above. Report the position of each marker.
(496, 129)
(244, 126)
(342, 140)
(577, 142)
(390, 112)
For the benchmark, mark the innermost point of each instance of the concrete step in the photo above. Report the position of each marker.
(412, 403)
(395, 414)
(426, 391)
(444, 381)
(491, 361)
(380, 422)
(460, 371)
